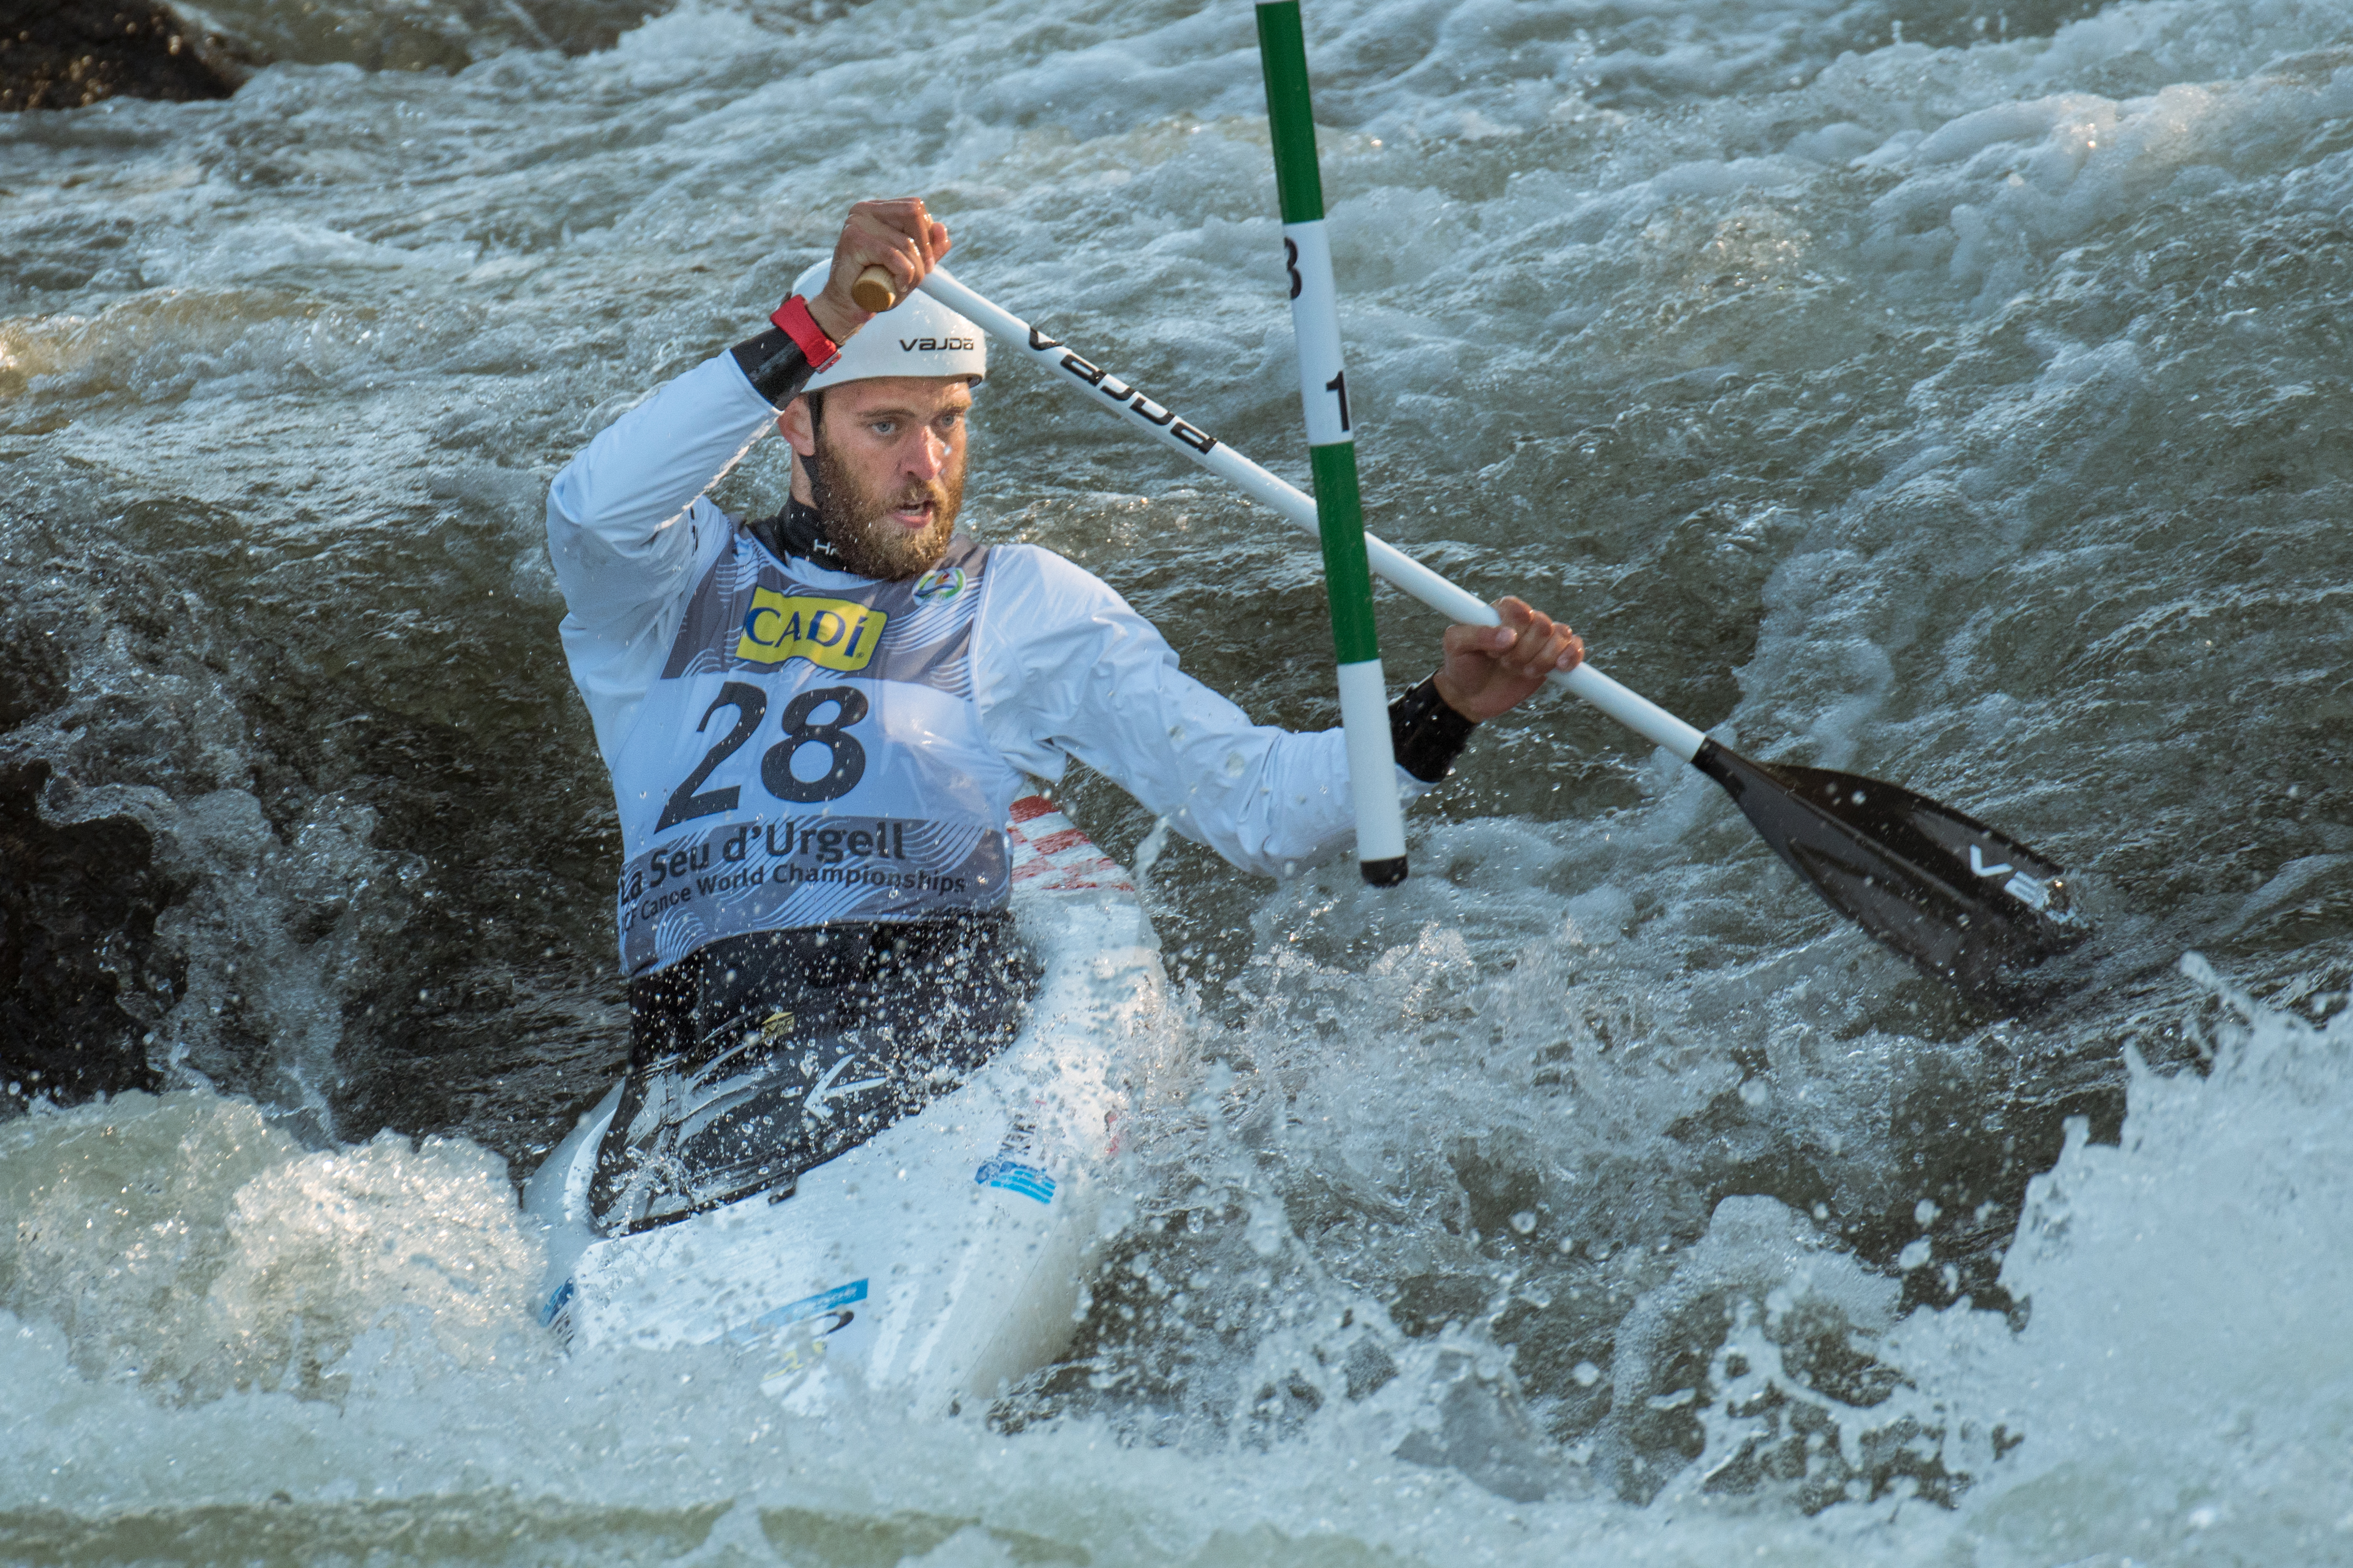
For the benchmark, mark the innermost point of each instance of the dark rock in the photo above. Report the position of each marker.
(70, 54)
(78, 950)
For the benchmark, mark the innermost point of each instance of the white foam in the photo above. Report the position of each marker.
(2182, 1381)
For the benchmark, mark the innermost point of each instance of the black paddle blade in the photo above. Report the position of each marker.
(1966, 904)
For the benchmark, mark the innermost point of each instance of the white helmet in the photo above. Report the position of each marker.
(918, 336)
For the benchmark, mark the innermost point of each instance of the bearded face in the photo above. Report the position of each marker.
(859, 523)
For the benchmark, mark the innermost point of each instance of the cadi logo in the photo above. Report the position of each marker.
(836, 634)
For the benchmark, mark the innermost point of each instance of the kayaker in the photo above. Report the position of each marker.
(816, 722)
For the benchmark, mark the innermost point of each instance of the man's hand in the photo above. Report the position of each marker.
(898, 236)
(1490, 669)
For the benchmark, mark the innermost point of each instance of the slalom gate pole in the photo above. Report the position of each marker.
(1331, 447)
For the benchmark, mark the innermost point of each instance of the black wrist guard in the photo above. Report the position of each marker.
(1426, 733)
(775, 364)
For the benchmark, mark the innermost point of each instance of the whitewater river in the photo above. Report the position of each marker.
(1961, 399)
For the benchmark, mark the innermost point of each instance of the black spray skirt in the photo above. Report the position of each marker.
(759, 1057)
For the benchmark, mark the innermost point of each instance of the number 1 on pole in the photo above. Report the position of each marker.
(1331, 447)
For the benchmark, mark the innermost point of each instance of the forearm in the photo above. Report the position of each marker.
(1267, 800)
(1065, 668)
(615, 513)
(628, 529)
(1290, 803)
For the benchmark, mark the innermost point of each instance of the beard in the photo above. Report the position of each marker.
(865, 537)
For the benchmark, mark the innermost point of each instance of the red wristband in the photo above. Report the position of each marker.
(793, 319)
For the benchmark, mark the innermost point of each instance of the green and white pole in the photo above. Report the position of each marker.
(1331, 447)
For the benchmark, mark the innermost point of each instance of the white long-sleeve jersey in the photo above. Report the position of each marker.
(1063, 668)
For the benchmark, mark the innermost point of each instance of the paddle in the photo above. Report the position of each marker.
(1966, 903)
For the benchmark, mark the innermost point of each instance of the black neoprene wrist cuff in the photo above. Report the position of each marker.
(1426, 733)
(775, 364)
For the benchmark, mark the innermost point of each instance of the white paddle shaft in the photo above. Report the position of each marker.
(1140, 414)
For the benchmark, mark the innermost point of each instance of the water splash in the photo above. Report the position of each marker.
(1968, 409)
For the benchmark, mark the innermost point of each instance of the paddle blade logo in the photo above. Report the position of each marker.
(941, 583)
(834, 633)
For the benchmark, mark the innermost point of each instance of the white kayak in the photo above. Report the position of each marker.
(944, 1258)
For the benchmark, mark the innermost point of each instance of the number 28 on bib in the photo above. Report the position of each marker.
(810, 756)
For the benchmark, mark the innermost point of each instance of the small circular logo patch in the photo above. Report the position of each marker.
(941, 583)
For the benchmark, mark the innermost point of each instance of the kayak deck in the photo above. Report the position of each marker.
(944, 1257)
